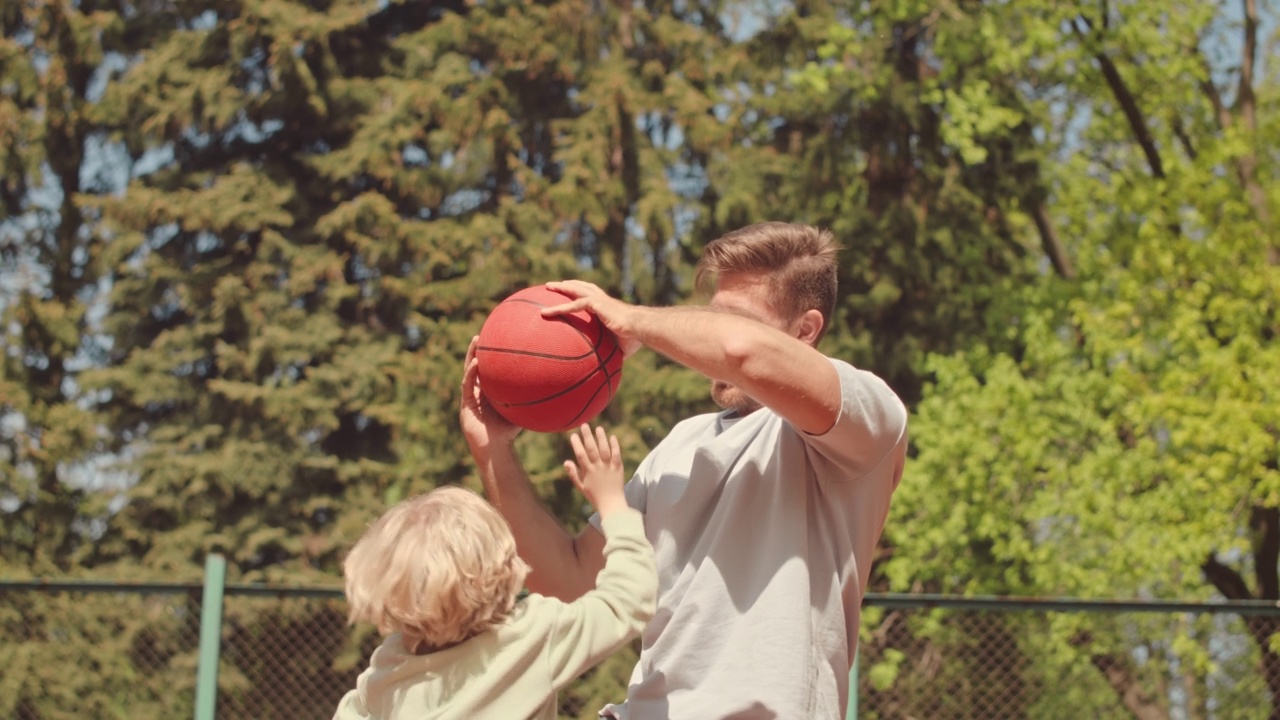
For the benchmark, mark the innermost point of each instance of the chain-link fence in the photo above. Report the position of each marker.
(108, 651)
(971, 659)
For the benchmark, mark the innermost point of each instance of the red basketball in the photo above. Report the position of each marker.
(546, 374)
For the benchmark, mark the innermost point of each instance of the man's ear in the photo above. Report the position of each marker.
(808, 327)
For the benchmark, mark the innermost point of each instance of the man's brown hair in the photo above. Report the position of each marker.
(798, 260)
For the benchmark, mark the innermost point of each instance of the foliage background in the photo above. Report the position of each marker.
(243, 244)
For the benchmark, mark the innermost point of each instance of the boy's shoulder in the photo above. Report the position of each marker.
(530, 609)
(532, 604)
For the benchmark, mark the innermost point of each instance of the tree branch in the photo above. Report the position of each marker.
(1128, 103)
(1266, 551)
(1246, 108)
(1184, 139)
(1220, 112)
(1245, 101)
(1051, 243)
(1226, 580)
(1119, 674)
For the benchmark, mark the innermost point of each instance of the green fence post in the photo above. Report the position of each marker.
(215, 580)
(852, 712)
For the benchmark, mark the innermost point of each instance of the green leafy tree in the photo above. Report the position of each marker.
(885, 125)
(1127, 444)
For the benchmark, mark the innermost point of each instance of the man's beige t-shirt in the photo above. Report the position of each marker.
(513, 671)
(764, 537)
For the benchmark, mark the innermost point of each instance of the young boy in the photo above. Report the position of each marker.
(439, 575)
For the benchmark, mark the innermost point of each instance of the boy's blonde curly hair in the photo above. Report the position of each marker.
(437, 568)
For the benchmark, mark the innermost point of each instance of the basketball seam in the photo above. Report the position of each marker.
(591, 399)
(572, 387)
(608, 381)
(546, 356)
(530, 353)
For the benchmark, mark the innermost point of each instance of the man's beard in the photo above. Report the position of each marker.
(729, 397)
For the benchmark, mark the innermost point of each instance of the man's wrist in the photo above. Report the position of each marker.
(640, 323)
(485, 452)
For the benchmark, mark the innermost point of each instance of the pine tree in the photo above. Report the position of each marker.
(53, 151)
(343, 196)
(65, 654)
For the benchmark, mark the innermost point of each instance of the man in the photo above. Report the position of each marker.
(763, 518)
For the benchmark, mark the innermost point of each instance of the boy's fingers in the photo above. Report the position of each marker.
(589, 442)
(602, 441)
(572, 471)
(615, 449)
(578, 449)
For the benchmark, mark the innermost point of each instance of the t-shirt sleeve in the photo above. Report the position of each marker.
(871, 423)
(589, 629)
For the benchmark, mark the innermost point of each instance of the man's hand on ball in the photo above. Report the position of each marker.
(615, 314)
(481, 424)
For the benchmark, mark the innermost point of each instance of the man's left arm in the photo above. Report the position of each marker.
(849, 415)
(777, 370)
(781, 372)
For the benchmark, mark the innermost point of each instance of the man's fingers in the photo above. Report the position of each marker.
(566, 308)
(581, 292)
(576, 288)
(470, 379)
(471, 372)
(562, 286)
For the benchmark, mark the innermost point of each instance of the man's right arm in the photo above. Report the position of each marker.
(562, 566)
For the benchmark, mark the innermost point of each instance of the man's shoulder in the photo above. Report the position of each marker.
(848, 368)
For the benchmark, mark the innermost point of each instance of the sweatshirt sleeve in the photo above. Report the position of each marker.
(355, 704)
(352, 707)
(589, 629)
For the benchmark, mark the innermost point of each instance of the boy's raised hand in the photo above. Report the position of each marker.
(598, 470)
